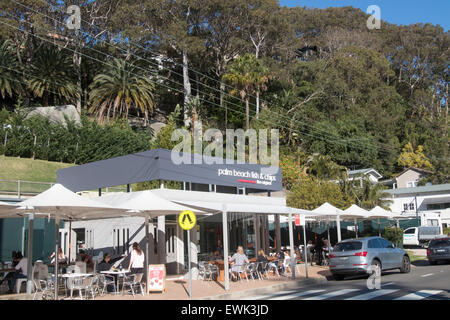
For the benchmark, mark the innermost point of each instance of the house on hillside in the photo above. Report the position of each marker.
(408, 178)
(373, 175)
(427, 202)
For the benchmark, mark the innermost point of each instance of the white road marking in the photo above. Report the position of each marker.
(332, 294)
(427, 275)
(296, 295)
(388, 284)
(419, 295)
(266, 296)
(372, 294)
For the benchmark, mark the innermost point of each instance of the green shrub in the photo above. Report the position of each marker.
(447, 230)
(394, 235)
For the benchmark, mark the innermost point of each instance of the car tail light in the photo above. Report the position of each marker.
(428, 251)
(361, 254)
(332, 256)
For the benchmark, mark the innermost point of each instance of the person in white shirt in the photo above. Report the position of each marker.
(21, 271)
(137, 259)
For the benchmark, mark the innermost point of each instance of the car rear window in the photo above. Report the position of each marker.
(348, 246)
(440, 243)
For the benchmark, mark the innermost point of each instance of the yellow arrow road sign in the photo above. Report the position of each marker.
(187, 220)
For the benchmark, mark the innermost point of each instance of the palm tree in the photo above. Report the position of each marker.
(51, 76)
(371, 195)
(248, 75)
(323, 167)
(8, 63)
(120, 88)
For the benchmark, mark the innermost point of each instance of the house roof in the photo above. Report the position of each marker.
(421, 189)
(414, 169)
(364, 171)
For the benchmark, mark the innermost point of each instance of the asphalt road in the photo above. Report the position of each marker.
(423, 282)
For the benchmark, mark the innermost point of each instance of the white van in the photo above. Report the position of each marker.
(416, 236)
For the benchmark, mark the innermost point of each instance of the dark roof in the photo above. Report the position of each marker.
(157, 164)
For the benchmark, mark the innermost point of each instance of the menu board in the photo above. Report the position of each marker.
(156, 277)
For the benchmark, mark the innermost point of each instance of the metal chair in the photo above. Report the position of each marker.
(273, 266)
(133, 281)
(251, 270)
(262, 269)
(104, 282)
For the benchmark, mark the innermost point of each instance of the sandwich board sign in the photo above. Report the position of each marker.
(156, 278)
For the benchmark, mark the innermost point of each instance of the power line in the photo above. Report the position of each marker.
(323, 133)
(341, 142)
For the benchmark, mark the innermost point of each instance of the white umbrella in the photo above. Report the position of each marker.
(61, 203)
(353, 213)
(143, 203)
(380, 213)
(329, 212)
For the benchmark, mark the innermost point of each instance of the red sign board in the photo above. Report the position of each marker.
(297, 220)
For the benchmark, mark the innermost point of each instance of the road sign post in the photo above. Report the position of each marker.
(187, 221)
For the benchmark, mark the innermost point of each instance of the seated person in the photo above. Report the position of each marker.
(239, 259)
(262, 261)
(84, 257)
(217, 256)
(61, 257)
(106, 265)
(21, 271)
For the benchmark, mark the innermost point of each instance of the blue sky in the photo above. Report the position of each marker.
(393, 11)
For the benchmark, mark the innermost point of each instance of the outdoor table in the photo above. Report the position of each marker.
(117, 273)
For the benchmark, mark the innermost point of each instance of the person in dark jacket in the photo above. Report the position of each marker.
(105, 265)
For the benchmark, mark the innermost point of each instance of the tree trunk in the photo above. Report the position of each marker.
(77, 64)
(257, 103)
(187, 87)
(222, 89)
(247, 113)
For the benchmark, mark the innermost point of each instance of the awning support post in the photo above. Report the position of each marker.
(30, 253)
(338, 228)
(291, 245)
(225, 247)
(56, 255)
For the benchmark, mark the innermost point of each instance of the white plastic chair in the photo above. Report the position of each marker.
(81, 265)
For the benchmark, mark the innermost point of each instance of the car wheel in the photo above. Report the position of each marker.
(432, 262)
(406, 265)
(338, 277)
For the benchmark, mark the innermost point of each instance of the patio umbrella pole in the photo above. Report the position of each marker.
(338, 228)
(328, 231)
(379, 229)
(30, 253)
(70, 238)
(305, 251)
(56, 255)
(147, 257)
(225, 247)
(291, 245)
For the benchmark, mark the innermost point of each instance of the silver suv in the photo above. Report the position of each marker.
(354, 256)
